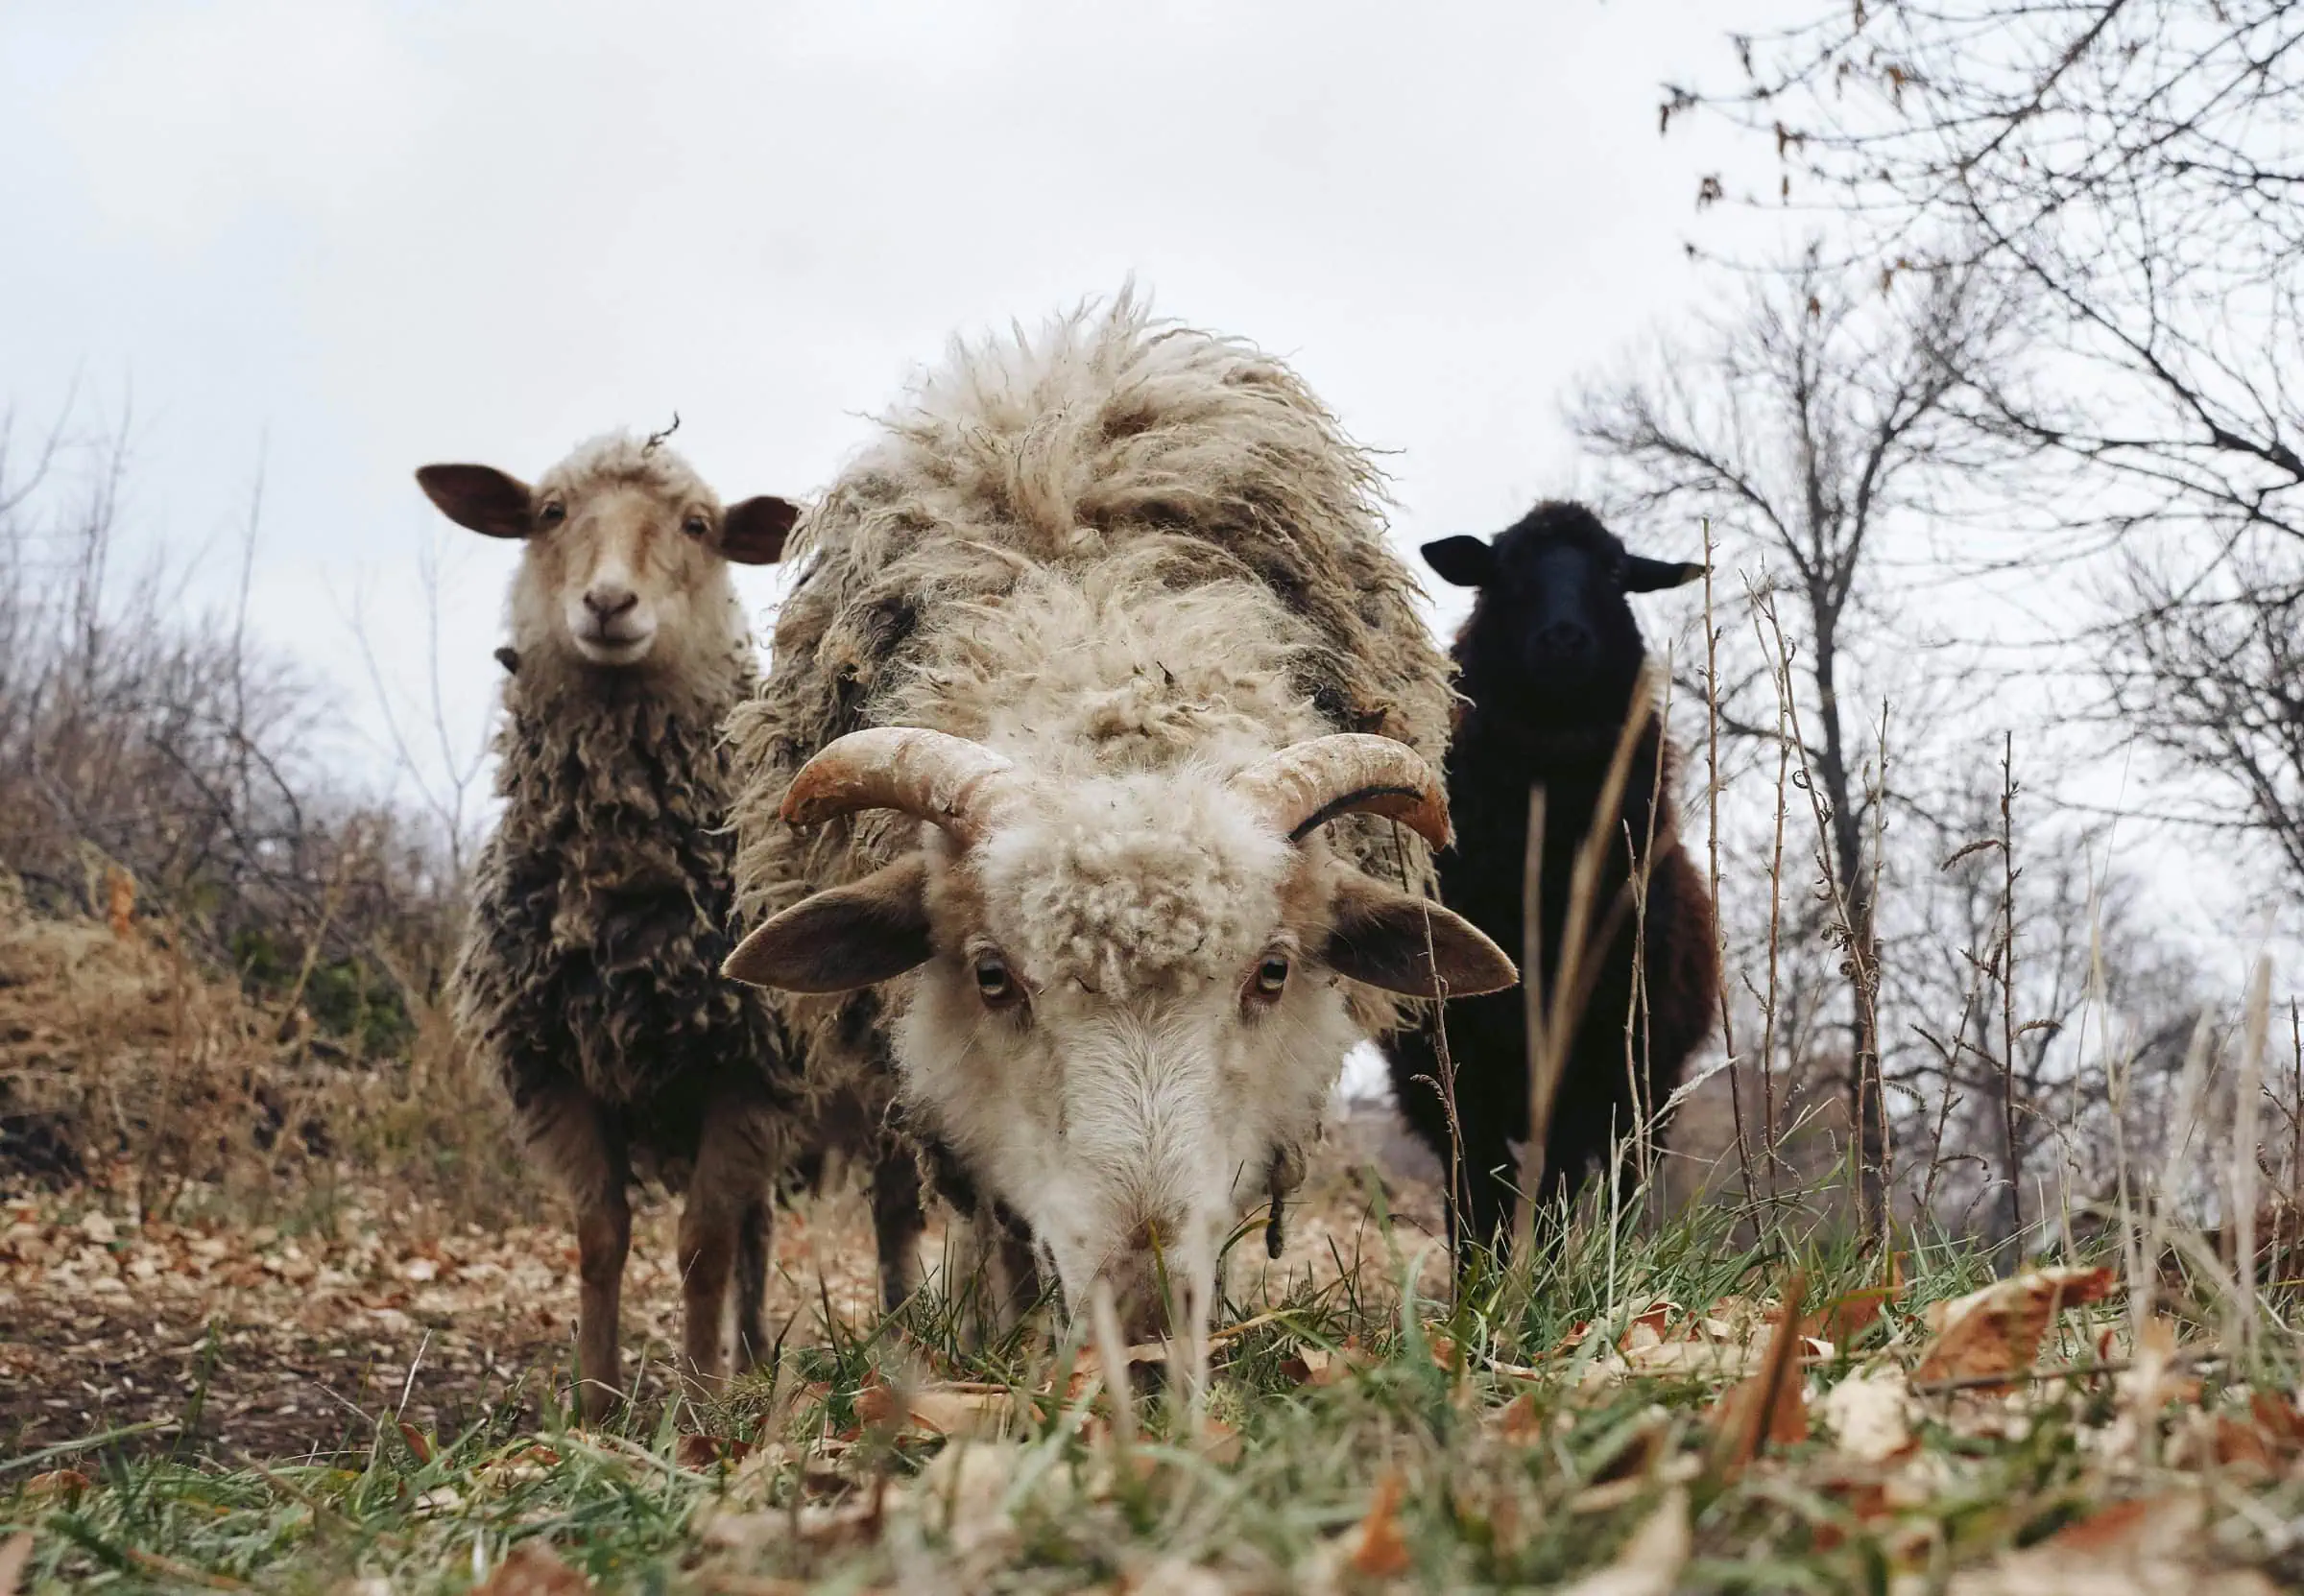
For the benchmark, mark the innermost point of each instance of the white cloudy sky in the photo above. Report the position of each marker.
(330, 240)
(334, 239)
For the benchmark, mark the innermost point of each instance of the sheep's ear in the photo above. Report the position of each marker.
(480, 497)
(752, 533)
(849, 936)
(1393, 939)
(1652, 576)
(1465, 561)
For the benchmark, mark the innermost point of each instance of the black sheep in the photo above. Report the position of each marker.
(1550, 658)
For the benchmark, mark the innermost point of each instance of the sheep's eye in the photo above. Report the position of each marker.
(696, 527)
(994, 984)
(1272, 975)
(553, 513)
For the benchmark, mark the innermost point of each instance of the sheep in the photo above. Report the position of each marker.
(587, 981)
(1550, 658)
(1092, 647)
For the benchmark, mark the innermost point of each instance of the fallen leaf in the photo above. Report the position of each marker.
(1218, 1442)
(67, 1483)
(1847, 1316)
(1870, 1414)
(1379, 1552)
(532, 1569)
(2144, 1547)
(1518, 1421)
(1767, 1407)
(1652, 1560)
(14, 1557)
(1997, 1331)
(417, 1442)
(703, 1453)
(2164, 1526)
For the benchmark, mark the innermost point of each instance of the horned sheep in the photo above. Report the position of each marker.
(587, 980)
(1087, 799)
(1551, 659)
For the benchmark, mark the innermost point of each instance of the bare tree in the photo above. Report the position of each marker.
(2135, 167)
(142, 740)
(1806, 430)
(2208, 669)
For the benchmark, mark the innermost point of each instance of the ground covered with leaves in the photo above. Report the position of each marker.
(371, 1405)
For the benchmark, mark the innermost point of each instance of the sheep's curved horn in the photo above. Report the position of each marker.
(944, 780)
(1307, 783)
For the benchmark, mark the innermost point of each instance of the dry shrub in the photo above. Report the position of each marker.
(124, 1060)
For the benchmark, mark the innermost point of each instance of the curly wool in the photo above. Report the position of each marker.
(1126, 543)
(601, 903)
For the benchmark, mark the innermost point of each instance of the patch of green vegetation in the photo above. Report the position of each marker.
(1483, 1436)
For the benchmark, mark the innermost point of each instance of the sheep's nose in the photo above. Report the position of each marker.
(1563, 640)
(607, 601)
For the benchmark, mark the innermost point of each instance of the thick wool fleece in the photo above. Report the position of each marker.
(1117, 546)
(602, 904)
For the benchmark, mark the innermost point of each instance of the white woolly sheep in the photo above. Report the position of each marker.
(1097, 633)
(589, 978)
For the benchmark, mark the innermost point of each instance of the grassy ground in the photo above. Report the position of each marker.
(1633, 1411)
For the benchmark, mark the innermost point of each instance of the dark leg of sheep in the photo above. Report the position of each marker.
(577, 1138)
(734, 1165)
(751, 1285)
(896, 1221)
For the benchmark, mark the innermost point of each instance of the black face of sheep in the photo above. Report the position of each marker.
(1553, 626)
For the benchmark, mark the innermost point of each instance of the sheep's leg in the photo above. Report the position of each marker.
(896, 1223)
(735, 1164)
(1005, 1272)
(574, 1134)
(753, 1236)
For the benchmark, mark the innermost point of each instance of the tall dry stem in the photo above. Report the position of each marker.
(2247, 1132)
(1571, 982)
(1720, 923)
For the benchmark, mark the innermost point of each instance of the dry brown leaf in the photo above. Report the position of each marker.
(67, 1483)
(2136, 1548)
(1652, 1560)
(1379, 1551)
(1768, 1406)
(1846, 1317)
(416, 1443)
(532, 1569)
(14, 1557)
(1997, 1331)
(1218, 1442)
(703, 1453)
(2164, 1526)
(1517, 1421)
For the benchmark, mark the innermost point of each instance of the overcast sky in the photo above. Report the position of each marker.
(331, 240)
(326, 241)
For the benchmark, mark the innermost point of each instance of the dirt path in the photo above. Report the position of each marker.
(276, 1344)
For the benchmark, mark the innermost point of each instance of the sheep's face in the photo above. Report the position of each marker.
(626, 549)
(1124, 1019)
(616, 567)
(1130, 998)
(1552, 630)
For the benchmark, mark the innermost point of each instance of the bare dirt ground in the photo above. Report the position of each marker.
(237, 1341)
